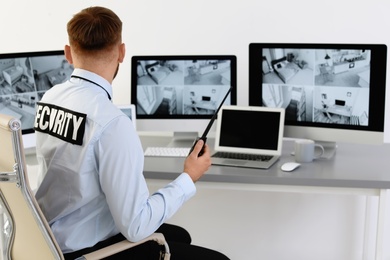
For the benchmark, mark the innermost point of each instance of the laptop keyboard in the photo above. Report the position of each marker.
(242, 156)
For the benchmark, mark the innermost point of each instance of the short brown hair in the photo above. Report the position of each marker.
(94, 29)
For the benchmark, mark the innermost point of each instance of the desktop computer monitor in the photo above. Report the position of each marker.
(331, 92)
(24, 78)
(180, 94)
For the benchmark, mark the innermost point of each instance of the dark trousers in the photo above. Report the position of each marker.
(179, 241)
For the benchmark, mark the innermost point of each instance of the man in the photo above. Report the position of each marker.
(93, 192)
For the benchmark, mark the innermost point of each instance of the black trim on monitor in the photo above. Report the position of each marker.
(376, 84)
(144, 69)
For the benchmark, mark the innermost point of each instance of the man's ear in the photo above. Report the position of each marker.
(122, 52)
(68, 54)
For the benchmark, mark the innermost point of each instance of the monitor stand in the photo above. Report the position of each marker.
(183, 139)
(329, 149)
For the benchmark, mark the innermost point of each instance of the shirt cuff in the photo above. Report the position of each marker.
(185, 182)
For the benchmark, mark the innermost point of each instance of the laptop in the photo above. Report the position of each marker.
(248, 136)
(129, 110)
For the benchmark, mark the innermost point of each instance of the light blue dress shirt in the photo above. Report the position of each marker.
(93, 191)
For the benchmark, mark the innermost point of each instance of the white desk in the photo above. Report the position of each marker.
(355, 170)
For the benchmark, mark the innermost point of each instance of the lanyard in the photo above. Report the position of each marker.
(74, 76)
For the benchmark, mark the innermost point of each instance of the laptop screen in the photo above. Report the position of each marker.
(129, 110)
(250, 129)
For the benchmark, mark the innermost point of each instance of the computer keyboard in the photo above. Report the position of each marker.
(167, 151)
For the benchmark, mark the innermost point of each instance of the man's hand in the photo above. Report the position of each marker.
(196, 166)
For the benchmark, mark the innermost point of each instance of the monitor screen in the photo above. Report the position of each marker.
(331, 92)
(24, 78)
(180, 94)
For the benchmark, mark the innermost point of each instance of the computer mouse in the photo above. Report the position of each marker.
(289, 166)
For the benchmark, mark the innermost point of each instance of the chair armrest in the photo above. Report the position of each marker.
(124, 245)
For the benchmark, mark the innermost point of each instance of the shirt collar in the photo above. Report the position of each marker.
(94, 78)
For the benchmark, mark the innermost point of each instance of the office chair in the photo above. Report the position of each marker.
(25, 233)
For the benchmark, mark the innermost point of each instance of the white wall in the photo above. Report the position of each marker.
(201, 27)
(213, 27)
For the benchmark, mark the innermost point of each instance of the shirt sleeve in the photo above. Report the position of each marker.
(136, 213)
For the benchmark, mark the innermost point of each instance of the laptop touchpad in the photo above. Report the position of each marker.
(234, 162)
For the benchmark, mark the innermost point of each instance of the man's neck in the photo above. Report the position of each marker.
(106, 71)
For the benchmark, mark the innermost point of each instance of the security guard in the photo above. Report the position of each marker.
(93, 191)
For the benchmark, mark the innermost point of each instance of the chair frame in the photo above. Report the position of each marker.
(17, 177)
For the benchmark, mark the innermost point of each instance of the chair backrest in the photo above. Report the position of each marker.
(27, 232)
(29, 235)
